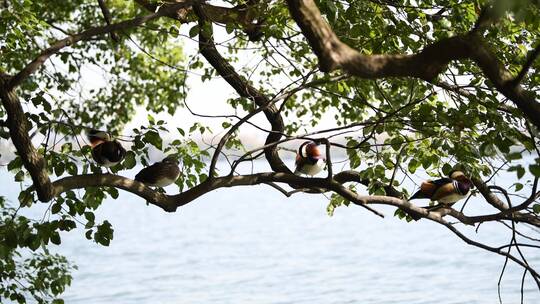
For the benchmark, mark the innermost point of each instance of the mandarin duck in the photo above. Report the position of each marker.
(105, 152)
(160, 174)
(446, 191)
(309, 159)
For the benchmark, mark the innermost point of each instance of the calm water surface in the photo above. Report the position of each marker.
(253, 245)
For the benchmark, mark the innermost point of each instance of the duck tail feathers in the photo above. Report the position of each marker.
(417, 195)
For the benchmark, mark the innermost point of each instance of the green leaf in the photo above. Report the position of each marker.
(413, 165)
(426, 162)
(520, 171)
(59, 169)
(56, 207)
(72, 168)
(152, 137)
(10, 238)
(229, 27)
(55, 238)
(173, 30)
(104, 234)
(354, 159)
(535, 169)
(396, 143)
(536, 208)
(400, 213)
(89, 216)
(35, 242)
(129, 160)
(88, 234)
(19, 177)
(15, 164)
(194, 31)
(113, 192)
(67, 225)
(446, 168)
(514, 156)
(335, 201)
(26, 198)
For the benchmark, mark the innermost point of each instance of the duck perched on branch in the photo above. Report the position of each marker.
(160, 174)
(105, 152)
(445, 191)
(309, 159)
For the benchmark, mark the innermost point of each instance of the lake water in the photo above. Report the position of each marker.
(253, 245)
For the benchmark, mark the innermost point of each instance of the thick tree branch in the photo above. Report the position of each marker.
(99, 180)
(16, 120)
(489, 196)
(171, 202)
(243, 88)
(18, 127)
(246, 16)
(430, 62)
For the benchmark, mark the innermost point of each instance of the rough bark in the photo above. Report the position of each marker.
(244, 89)
(333, 54)
(246, 16)
(18, 127)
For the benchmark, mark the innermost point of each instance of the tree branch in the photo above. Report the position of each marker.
(86, 35)
(16, 120)
(171, 202)
(243, 88)
(107, 16)
(18, 131)
(99, 180)
(499, 251)
(247, 16)
(471, 96)
(489, 196)
(427, 64)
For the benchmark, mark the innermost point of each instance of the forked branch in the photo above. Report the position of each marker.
(427, 64)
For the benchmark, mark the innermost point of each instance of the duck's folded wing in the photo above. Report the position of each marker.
(113, 151)
(157, 172)
(146, 175)
(426, 190)
(442, 181)
(443, 191)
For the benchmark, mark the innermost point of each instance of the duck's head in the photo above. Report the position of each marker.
(96, 137)
(311, 150)
(461, 177)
